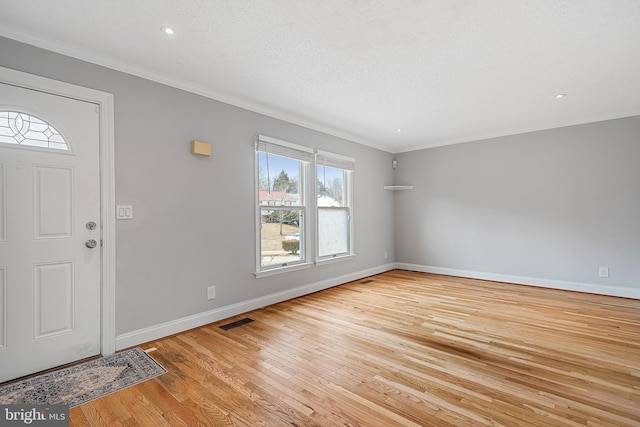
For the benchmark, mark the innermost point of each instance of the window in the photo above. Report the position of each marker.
(23, 129)
(334, 187)
(282, 170)
(284, 189)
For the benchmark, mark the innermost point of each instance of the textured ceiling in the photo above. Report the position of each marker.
(445, 71)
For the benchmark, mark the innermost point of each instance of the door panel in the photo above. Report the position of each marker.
(3, 306)
(53, 306)
(49, 280)
(52, 201)
(3, 202)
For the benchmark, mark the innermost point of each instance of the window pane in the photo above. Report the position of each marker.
(330, 189)
(333, 231)
(278, 180)
(280, 235)
(26, 130)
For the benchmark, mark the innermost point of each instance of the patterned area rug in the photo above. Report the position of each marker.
(78, 384)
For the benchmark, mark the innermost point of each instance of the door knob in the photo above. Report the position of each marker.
(91, 243)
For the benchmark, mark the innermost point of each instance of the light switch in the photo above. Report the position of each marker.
(124, 212)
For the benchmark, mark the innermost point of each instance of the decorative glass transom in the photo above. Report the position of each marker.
(24, 129)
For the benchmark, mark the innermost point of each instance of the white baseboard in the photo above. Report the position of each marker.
(155, 332)
(615, 291)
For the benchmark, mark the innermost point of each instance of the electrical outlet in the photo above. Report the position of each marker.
(603, 271)
(211, 292)
(385, 254)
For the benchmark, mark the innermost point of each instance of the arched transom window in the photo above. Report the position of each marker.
(29, 131)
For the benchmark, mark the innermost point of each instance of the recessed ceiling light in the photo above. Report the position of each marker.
(167, 30)
(561, 95)
(399, 129)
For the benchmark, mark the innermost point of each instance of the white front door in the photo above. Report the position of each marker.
(49, 197)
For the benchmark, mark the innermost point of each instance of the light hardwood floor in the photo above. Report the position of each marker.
(399, 349)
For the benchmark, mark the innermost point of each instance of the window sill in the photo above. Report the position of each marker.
(280, 270)
(335, 259)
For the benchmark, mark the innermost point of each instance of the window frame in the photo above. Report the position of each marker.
(347, 164)
(305, 156)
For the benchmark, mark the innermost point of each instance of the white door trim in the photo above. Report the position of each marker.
(107, 186)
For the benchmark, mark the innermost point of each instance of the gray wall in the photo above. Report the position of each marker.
(553, 204)
(194, 217)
